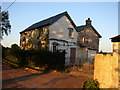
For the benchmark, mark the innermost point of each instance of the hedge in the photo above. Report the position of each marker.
(35, 58)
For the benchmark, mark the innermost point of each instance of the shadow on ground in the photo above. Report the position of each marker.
(17, 79)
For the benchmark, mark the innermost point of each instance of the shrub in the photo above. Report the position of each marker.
(35, 58)
(65, 71)
(8, 57)
(91, 84)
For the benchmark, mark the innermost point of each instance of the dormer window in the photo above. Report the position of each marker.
(71, 32)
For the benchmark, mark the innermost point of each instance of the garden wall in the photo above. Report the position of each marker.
(106, 70)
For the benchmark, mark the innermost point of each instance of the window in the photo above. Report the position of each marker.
(55, 46)
(83, 39)
(71, 32)
(23, 39)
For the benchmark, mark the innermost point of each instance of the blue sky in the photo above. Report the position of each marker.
(104, 16)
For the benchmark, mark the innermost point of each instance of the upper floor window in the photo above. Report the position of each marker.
(83, 39)
(71, 32)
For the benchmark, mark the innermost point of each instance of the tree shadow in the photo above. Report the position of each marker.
(18, 79)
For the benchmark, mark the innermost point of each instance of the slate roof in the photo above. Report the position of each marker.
(80, 28)
(49, 21)
(115, 39)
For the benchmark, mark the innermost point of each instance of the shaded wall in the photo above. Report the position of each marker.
(82, 56)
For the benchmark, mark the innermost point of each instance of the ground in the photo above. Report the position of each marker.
(21, 78)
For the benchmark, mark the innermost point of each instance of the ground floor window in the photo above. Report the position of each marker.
(55, 46)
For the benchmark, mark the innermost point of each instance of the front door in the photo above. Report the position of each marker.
(72, 55)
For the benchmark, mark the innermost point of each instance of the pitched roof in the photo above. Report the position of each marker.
(80, 28)
(115, 39)
(49, 21)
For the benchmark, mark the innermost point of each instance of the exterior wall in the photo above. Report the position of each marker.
(59, 31)
(62, 46)
(106, 68)
(116, 49)
(88, 45)
(91, 55)
(88, 38)
(37, 38)
(82, 55)
(85, 55)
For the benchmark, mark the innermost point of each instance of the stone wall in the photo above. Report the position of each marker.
(34, 39)
(106, 70)
(88, 38)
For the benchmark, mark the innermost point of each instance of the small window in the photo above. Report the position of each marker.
(71, 32)
(83, 39)
(54, 48)
(23, 39)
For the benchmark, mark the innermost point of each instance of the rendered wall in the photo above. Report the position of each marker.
(82, 56)
(106, 69)
(91, 55)
(59, 31)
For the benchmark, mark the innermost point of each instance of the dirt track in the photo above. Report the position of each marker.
(20, 78)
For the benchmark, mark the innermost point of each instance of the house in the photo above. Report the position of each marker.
(55, 33)
(87, 42)
(116, 44)
(59, 32)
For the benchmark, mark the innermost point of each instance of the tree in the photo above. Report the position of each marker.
(5, 26)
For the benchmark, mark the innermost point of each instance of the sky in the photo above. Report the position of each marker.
(104, 16)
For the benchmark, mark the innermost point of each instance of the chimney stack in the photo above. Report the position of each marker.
(88, 22)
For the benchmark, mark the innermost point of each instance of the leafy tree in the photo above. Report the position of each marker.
(5, 26)
(15, 46)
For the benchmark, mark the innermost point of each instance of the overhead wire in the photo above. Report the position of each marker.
(10, 5)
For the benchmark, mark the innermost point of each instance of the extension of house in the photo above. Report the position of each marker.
(87, 42)
(59, 32)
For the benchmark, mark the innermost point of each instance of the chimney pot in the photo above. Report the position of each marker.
(88, 22)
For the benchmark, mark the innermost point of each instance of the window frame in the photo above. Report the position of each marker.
(71, 32)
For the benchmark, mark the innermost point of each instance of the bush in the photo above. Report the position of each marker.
(91, 84)
(39, 58)
(8, 57)
(35, 58)
(65, 71)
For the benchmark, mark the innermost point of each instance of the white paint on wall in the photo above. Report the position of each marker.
(59, 30)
